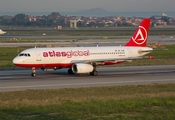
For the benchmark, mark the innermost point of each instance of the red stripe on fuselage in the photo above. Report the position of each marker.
(66, 65)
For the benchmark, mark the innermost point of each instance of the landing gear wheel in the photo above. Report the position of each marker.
(33, 74)
(94, 73)
(70, 71)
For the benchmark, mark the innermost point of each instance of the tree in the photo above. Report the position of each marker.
(4, 21)
(54, 15)
(19, 20)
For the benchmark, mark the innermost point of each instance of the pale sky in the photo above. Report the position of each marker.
(76, 5)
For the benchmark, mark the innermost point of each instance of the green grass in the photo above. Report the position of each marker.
(7, 55)
(138, 102)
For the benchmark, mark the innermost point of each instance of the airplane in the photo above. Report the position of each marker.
(2, 32)
(85, 59)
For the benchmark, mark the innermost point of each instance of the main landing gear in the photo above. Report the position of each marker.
(94, 73)
(33, 72)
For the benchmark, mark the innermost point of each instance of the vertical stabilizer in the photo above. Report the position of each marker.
(140, 36)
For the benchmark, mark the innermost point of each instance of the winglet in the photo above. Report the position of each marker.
(140, 36)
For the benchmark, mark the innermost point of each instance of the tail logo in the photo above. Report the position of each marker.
(141, 36)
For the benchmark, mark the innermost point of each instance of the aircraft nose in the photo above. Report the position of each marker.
(17, 60)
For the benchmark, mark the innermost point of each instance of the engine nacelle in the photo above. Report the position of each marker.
(82, 68)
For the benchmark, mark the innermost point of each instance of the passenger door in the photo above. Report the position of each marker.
(38, 56)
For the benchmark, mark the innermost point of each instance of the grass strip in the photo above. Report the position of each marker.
(132, 102)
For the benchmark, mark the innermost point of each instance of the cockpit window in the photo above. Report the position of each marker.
(25, 54)
(21, 54)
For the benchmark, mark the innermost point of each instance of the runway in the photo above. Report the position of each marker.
(17, 80)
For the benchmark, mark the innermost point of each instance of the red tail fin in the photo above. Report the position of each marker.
(140, 36)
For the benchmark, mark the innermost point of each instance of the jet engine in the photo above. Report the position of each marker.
(82, 68)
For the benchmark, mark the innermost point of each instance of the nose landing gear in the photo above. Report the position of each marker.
(33, 72)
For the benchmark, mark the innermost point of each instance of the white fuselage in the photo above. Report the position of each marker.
(64, 57)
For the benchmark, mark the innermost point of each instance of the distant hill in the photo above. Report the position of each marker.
(94, 10)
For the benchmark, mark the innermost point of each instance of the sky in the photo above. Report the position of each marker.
(76, 5)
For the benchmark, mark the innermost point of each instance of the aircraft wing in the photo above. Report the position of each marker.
(102, 60)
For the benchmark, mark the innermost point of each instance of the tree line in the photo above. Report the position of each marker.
(54, 19)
